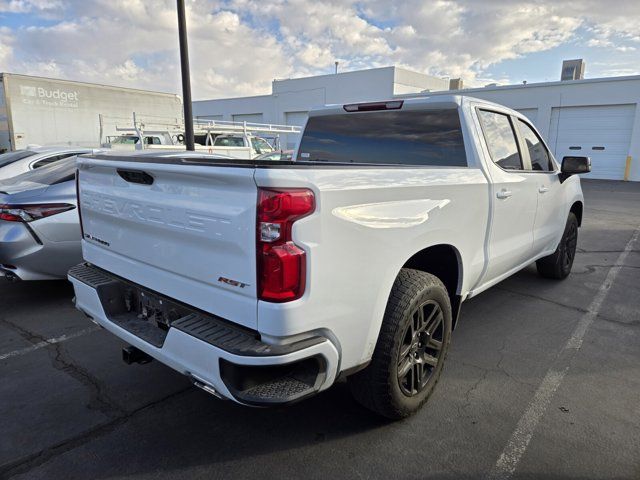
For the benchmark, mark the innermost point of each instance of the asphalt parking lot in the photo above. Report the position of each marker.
(543, 381)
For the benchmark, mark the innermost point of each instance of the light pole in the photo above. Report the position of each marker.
(186, 77)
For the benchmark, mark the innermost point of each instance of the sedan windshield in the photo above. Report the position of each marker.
(10, 157)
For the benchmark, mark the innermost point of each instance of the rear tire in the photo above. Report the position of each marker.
(558, 264)
(411, 348)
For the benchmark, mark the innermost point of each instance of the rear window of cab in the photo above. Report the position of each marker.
(414, 137)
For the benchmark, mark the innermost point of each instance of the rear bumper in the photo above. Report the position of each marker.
(228, 360)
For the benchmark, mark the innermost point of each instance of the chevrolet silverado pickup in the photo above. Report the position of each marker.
(267, 281)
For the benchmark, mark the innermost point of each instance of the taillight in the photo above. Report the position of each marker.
(78, 203)
(29, 213)
(281, 263)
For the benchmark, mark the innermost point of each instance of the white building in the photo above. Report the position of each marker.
(599, 117)
(291, 99)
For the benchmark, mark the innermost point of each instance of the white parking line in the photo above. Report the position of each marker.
(517, 445)
(45, 343)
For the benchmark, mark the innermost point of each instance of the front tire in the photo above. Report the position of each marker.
(558, 264)
(411, 348)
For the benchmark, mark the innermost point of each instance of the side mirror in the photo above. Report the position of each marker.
(574, 165)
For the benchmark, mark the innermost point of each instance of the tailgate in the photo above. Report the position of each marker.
(189, 235)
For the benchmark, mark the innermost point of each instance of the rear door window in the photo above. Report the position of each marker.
(501, 140)
(260, 145)
(414, 137)
(52, 159)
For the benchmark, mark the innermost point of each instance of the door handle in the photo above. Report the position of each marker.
(135, 176)
(543, 189)
(504, 193)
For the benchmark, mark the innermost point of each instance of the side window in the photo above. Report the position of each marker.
(48, 160)
(501, 140)
(540, 160)
(260, 145)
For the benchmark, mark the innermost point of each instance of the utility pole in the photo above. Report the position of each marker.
(186, 78)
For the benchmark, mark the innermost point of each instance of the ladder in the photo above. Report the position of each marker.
(147, 123)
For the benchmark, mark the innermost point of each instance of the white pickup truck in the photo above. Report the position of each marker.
(267, 281)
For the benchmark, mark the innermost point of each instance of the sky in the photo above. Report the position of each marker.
(237, 47)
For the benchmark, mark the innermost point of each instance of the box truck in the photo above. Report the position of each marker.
(45, 111)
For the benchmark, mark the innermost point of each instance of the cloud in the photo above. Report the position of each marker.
(238, 46)
(135, 43)
(6, 45)
(26, 6)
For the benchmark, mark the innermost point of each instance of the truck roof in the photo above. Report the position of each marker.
(411, 103)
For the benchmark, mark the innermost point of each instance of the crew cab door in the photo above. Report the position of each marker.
(514, 193)
(550, 216)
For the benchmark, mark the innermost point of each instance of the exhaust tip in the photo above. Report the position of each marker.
(202, 385)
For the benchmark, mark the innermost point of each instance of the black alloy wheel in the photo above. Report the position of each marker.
(558, 265)
(411, 349)
(421, 349)
(571, 242)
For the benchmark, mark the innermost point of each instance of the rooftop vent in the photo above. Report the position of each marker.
(456, 84)
(572, 70)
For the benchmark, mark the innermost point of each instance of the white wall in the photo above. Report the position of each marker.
(5, 143)
(364, 85)
(234, 106)
(536, 101)
(543, 98)
(293, 118)
(409, 82)
(303, 94)
(50, 111)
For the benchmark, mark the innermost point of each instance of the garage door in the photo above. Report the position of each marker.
(298, 119)
(248, 117)
(602, 133)
(530, 113)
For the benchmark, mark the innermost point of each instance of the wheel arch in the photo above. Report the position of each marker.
(577, 209)
(445, 262)
(441, 260)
